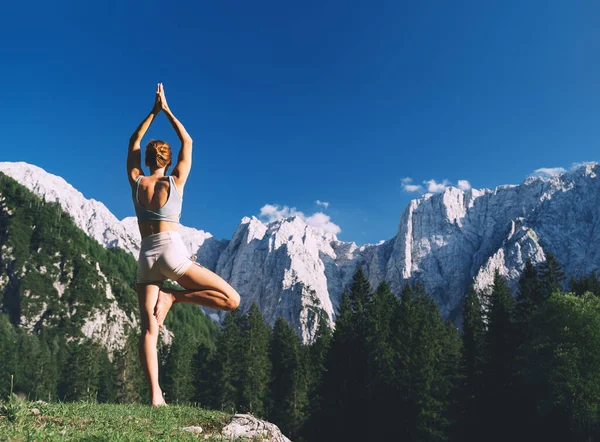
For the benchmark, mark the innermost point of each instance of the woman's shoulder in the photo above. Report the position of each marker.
(177, 183)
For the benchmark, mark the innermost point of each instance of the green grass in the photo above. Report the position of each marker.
(99, 422)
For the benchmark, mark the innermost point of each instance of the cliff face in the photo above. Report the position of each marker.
(444, 240)
(53, 276)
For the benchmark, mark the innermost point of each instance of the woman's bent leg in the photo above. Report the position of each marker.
(147, 299)
(203, 287)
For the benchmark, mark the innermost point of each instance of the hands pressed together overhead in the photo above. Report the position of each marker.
(160, 101)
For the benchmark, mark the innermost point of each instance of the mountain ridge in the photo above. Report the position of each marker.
(444, 240)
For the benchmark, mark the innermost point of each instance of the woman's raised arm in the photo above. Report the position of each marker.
(184, 160)
(134, 153)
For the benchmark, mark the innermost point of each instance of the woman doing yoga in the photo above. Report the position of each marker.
(157, 199)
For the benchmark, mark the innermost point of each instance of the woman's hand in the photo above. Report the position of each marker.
(161, 97)
(157, 101)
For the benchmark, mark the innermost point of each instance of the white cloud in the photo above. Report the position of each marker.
(322, 203)
(464, 185)
(323, 222)
(408, 187)
(435, 187)
(274, 212)
(432, 186)
(548, 171)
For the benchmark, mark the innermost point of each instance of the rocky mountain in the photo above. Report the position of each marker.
(53, 276)
(444, 240)
(89, 215)
(57, 280)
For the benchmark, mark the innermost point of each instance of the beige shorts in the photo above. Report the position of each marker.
(163, 256)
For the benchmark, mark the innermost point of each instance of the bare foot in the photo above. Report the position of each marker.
(158, 400)
(164, 303)
(160, 403)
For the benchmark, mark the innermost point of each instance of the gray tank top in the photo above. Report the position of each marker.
(170, 211)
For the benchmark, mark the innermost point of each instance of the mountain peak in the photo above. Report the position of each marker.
(294, 268)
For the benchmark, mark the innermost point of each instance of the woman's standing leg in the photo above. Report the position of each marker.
(147, 298)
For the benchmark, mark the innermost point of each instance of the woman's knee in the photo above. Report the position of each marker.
(233, 300)
(149, 329)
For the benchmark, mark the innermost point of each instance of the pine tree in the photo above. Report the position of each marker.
(35, 375)
(344, 389)
(473, 365)
(130, 382)
(61, 353)
(107, 377)
(317, 354)
(360, 292)
(380, 406)
(473, 335)
(48, 370)
(499, 376)
(427, 352)
(432, 371)
(357, 373)
(178, 368)
(404, 328)
(80, 376)
(203, 376)
(452, 379)
(529, 299)
(255, 364)
(334, 407)
(8, 354)
(28, 351)
(288, 391)
(551, 277)
(226, 363)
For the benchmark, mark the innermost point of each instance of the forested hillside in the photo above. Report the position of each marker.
(68, 318)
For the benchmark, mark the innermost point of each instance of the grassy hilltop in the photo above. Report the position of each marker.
(30, 421)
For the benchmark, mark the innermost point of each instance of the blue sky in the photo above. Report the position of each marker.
(293, 102)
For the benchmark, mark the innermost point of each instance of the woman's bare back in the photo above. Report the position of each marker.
(153, 193)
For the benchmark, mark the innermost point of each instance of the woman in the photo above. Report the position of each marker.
(157, 199)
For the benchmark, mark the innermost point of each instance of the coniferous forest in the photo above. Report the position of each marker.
(522, 366)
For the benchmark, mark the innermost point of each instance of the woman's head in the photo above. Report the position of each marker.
(158, 154)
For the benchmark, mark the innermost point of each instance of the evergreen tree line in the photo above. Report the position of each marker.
(48, 367)
(524, 367)
(388, 372)
(260, 370)
(531, 363)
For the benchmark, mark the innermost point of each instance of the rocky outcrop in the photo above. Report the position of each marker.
(247, 426)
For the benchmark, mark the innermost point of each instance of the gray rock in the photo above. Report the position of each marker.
(193, 430)
(247, 426)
